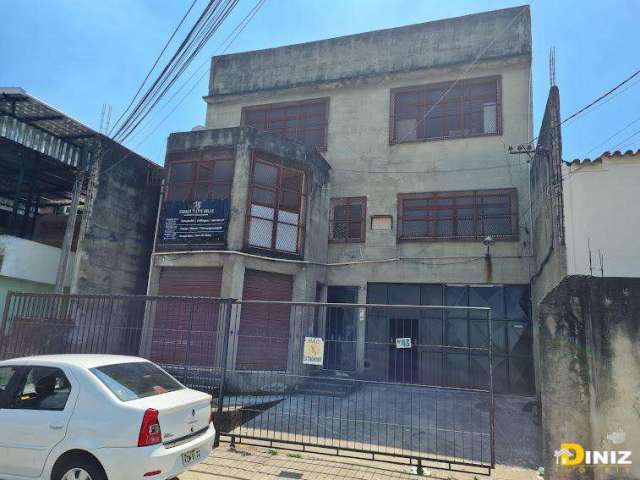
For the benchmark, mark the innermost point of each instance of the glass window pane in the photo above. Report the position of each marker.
(45, 388)
(130, 381)
(263, 196)
(260, 232)
(181, 172)
(290, 200)
(287, 237)
(262, 212)
(264, 174)
(355, 230)
(340, 230)
(223, 171)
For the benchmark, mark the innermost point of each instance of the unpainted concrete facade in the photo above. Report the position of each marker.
(357, 74)
(116, 233)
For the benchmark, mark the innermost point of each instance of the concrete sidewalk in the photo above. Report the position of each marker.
(260, 463)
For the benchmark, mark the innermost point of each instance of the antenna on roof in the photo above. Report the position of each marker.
(552, 66)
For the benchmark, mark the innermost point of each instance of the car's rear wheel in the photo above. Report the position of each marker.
(78, 468)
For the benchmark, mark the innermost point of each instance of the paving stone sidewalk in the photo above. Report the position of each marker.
(260, 463)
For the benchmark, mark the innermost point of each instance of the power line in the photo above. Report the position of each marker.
(229, 41)
(155, 63)
(205, 26)
(601, 97)
(612, 136)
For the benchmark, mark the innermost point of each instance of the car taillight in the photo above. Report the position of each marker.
(150, 433)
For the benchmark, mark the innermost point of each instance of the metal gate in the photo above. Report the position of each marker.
(397, 404)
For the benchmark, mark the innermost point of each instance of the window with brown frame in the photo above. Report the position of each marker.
(304, 121)
(275, 217)
(448, 110)
(468, 215)
(347, 221)
(200, 175)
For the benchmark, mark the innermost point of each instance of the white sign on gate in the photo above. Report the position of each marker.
(313, 353)
(403, 342)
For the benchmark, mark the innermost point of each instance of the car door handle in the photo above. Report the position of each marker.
(56, 426)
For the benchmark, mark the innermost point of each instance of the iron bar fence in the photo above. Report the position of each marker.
(371, 381)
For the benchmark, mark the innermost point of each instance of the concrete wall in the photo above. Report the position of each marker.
(599, 197)
(27, 260)
(116, 236)
(364, 164)
(452, 41)
(589, 339)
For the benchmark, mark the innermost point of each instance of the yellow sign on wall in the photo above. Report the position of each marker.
(313, 351)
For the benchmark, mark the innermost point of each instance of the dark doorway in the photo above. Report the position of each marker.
(403, 353)
(340, 331)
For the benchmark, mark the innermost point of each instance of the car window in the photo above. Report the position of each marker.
(6, 375)
(44, 388)
(130, 381)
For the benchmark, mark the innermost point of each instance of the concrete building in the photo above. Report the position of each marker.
(586, 291)
(366, 168)
(45, 156)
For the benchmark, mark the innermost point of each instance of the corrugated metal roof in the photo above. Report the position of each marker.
(31, 122)
(608, 154)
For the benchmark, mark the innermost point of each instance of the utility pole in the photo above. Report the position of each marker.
(70, 229)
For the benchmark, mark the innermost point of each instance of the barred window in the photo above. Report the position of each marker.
(304, 121)
(464, 109)
(458, 215)
(275, 215)
(348, 219)
(200, 175)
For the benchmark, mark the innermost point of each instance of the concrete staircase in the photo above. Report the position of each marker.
(327, 383)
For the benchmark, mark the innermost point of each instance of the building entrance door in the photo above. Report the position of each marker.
(340, 331)
(403, 353)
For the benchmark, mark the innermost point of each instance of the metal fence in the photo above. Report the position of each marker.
(368, 381)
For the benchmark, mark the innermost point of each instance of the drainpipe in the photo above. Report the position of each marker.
(488, 241)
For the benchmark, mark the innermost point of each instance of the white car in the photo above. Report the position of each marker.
(98, 417)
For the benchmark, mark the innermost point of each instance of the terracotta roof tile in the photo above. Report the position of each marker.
(607, 154)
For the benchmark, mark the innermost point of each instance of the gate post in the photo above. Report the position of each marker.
(187, 352)
(492, 407)
(226, 329)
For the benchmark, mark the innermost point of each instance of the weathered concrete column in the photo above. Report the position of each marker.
(239, 189)
(232, 285)
(144, 350)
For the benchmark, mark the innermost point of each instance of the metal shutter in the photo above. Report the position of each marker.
(263, 339)
(186, 332)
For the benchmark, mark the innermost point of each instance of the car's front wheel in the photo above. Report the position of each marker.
(78, 468)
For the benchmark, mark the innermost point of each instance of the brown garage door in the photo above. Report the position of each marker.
(181, 323)
(263, 338)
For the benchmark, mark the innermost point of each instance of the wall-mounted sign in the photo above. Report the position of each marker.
(403, 342)
(202, 221)
(313, 351)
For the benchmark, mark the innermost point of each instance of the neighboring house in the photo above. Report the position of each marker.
(365, 169)
(586, 298)
(41, 153)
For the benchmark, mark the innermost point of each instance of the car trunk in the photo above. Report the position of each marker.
(182, 414)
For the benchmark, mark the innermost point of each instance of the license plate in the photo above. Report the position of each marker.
(190, 457)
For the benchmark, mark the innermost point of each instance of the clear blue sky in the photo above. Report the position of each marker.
(79, 54)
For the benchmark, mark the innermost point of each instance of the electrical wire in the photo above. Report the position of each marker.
(228, 41)
(155, 63)
(205, 26)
